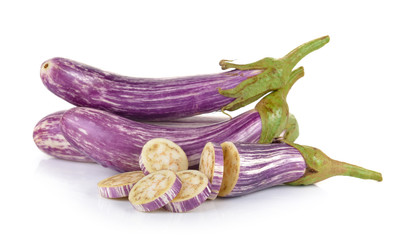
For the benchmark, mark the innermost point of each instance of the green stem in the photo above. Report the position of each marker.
(298, 73)
(293, 57)
(358, 172)
(260, 64)
(292, 129)
(275, 75)
(274, 112)
(321, 167)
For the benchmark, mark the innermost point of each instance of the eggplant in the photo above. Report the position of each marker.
(212, 165)
(195, 191)
(253, 167)
(155, 190)
(250, 167)
(155, 99)
(160, 154)
(119, 186)
(116, 142)
(48, 137)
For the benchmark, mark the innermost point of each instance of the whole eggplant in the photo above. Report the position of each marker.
(155, 99)
(48, 137)
(116, 142)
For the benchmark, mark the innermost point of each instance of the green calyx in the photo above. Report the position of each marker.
(320, 167)
(278, 125)
(274, 113)
(275, 75)
(291, 131)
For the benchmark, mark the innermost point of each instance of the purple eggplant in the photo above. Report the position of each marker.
(153, 99)
(212, 165)
(119, 186)
(253, 167)
(139, 98)
(195, 190)
(116, 142)
(48, 137)
(155, 190)
(250, 167)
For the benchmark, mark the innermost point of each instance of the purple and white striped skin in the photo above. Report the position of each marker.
(195, 190)
(262, 166)
(48, 137)
(119, 185)
(149, 99)
(116, 142)
(160, 154)
(212, 165)
(195, 121)
(155, 190)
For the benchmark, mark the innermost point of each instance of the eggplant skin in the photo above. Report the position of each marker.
(266, 165)
(116, 142)
(147, 99)
(48, 137)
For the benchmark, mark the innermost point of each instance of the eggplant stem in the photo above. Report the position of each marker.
(260, 64)
(274, 112)
(294, 76)
(358, 172)
(292, 58)
(321, 167)
(291, 132)
(275, 75)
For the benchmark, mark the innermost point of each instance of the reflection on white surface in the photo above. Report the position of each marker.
(70, 169)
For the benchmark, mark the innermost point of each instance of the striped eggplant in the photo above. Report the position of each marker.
(48, 137)
(253, 167)
(155, 190)
(153, 99)
(250, 167)
(212, 165)
(116, 142)
(195, 190)
(275, 118)
(119, 186)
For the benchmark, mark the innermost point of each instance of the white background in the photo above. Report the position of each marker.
(346, 105)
